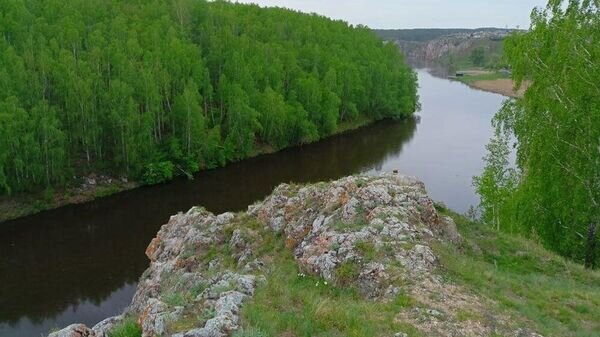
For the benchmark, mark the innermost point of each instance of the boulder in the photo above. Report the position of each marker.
(74, 330)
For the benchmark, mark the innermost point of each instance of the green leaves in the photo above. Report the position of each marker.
(499, 179)
(477, 56)
(156, 173)
(557, 128)
(122, 88)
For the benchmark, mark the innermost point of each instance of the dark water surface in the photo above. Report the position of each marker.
(80, 263)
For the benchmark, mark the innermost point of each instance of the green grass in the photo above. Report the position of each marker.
(471, 78)
(127, 328)
(249, 333)
(174, 299)
(559, 297)
(347, 273)
(291, 304)
(368, 251)
(404, 301)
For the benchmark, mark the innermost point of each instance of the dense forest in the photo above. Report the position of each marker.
(553, 193)
(150, 89)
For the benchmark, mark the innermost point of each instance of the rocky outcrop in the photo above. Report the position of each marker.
(431, 51)
(101, 329)
(374, 233)
(434, 49)
(362, 224)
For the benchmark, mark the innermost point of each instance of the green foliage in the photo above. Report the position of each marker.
(124, 87)
(498, 180)
(483, 53)
(557, 128)
(156, 173)
(477, 56)
(127, 328)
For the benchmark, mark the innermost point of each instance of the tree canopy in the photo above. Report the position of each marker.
(554, 192)
(141, 88)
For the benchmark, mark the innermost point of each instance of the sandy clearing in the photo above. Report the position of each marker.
(503, 86)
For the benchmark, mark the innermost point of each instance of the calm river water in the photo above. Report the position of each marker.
(80, 263)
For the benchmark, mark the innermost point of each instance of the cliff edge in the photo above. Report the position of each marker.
(365, 241)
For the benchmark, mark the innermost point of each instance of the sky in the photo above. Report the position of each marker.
(418, 13)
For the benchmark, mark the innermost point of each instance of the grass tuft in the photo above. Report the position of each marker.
(295, 304)
(347, 273)
(127, 328)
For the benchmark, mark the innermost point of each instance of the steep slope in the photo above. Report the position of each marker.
(361, 256)
(452, 48)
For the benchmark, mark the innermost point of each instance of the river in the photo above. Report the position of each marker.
(80, 263)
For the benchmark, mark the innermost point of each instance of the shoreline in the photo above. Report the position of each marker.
(99, 186)
(491, 81)
(503, 87)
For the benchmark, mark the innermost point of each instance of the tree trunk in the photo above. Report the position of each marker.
(590, 249)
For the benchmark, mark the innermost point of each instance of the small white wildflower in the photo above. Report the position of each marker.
(317, 284)
(325, 282)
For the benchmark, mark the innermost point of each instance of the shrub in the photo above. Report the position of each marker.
(157, 173)
(127, 328)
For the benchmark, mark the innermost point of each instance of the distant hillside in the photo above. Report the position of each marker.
(427, 34)
(452, 48)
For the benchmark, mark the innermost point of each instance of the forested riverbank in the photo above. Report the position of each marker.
(147, 91)
(85, 189)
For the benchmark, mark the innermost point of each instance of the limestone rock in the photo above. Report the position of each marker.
(355, 220)
(74, 330)
(103, 328)
(373, 233)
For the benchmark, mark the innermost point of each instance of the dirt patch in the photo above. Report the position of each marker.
(503, 86)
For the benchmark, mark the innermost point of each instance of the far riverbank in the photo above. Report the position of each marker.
(94, 186)
(491, 81)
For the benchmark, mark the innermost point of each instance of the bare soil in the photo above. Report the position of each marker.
(503, 86)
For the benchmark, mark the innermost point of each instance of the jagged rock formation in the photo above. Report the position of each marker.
(374, 233)
(434, 49)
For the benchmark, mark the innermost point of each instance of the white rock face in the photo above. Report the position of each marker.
(349, 220)
(74, 330)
